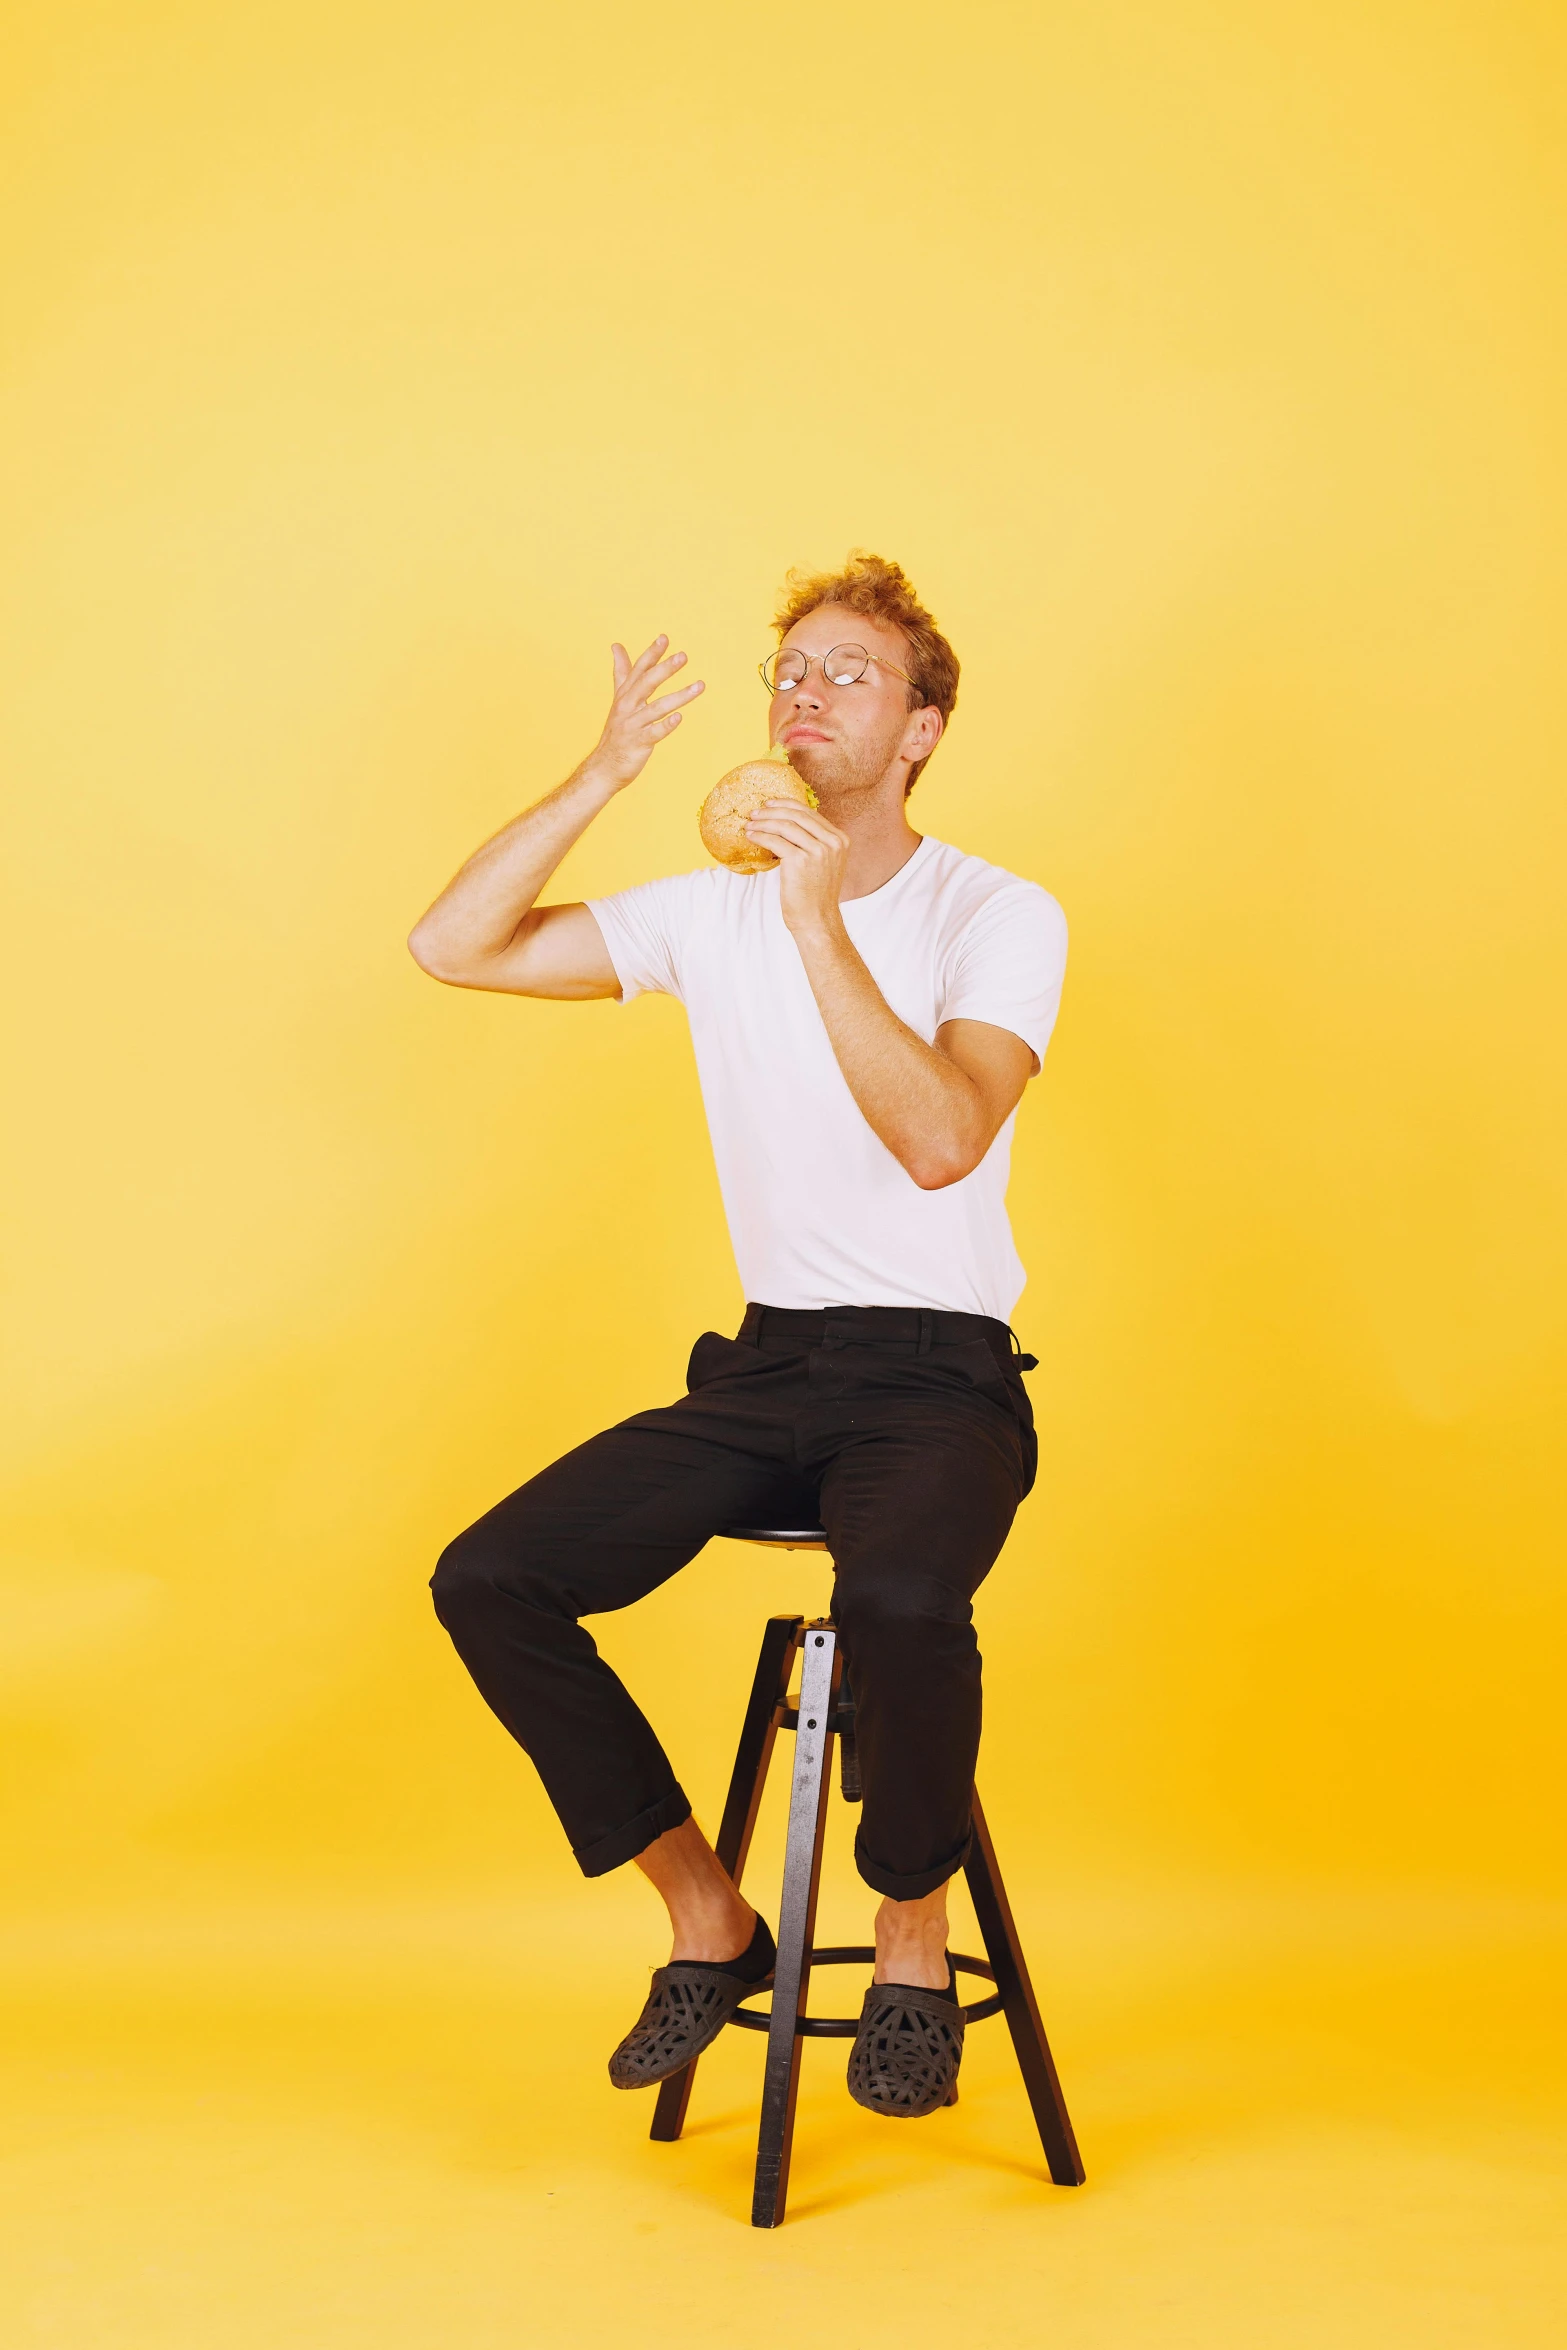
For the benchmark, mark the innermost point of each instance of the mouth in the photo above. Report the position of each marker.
(804, 734)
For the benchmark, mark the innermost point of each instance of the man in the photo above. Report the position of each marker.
(865, 1015)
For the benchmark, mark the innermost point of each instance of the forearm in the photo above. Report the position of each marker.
(929, 1113)
(479, 913)
(483, 930)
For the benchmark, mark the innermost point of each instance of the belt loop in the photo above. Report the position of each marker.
(925, 1331)
(751, 1327)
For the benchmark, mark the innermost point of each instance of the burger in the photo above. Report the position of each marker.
(738, 795)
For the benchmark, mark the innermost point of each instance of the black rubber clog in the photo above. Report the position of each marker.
(687, 2007)
(907, 2051)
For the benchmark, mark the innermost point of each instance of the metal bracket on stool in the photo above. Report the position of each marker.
(819, 1670)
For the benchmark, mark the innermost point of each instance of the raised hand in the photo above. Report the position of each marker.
(636, 725)
(487, 929)
(812, 853)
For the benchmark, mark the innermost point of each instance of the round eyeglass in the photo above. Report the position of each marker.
(841, 665)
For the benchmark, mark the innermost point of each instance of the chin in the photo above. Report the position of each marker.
(822, 765)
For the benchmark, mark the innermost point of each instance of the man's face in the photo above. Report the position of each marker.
(843, 738)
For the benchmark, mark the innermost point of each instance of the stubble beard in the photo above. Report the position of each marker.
(842, 775)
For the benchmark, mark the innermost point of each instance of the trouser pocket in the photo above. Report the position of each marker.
(716, 1357)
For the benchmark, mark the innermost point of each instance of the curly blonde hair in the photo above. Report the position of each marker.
(882, 591)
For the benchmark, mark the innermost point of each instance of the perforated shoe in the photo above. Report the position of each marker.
(688, 2006)
(907, 2051)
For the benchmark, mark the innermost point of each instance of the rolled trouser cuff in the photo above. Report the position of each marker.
(908, 1888)
(623, 1844)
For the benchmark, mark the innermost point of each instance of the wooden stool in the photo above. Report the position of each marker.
(823, 1709)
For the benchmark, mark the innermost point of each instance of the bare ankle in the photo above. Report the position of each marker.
(710, 1936)
(911, 1941)
(709, 1920)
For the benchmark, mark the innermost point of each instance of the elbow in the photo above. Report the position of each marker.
(938, 1170)
(426, 952)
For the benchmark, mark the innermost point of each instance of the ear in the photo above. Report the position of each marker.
(921, 735)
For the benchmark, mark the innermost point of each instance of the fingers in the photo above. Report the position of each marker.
(687, 693)
(640, 687)
(653, 666)
(627, 670)
(649, 653)
(653, 656)
(786, 840)
(811, 817)
(631, 695)
(802, 827)
(636, 723)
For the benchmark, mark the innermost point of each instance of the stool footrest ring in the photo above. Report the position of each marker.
(843, 2027)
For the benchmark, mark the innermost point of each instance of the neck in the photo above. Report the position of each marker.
(881, 838)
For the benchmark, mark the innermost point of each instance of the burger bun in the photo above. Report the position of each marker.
(737, 796)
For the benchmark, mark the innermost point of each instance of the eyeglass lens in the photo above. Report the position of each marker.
(842, 666)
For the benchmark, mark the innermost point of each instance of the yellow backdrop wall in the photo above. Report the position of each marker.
(368, 370)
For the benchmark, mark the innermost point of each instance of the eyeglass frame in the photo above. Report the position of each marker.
(815, 660)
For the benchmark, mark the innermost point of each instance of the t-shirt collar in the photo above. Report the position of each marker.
(884, 889)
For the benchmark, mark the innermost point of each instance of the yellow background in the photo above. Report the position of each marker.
(368, 369)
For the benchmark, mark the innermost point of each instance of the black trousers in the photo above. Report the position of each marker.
(906, 1434)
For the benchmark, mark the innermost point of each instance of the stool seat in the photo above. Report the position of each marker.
(780, 1537)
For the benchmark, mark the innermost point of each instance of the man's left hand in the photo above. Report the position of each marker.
(812, 853)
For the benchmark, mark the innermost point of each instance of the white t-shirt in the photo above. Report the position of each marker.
(820, 1212)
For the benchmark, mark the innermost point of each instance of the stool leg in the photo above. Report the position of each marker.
(1005, 1953)
(796, 1920)
(769, 1687)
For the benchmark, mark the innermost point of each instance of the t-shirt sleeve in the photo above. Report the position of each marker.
(646, 931)
(1009, 965)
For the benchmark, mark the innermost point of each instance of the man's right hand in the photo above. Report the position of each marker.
(636, 725)
(486, 928)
